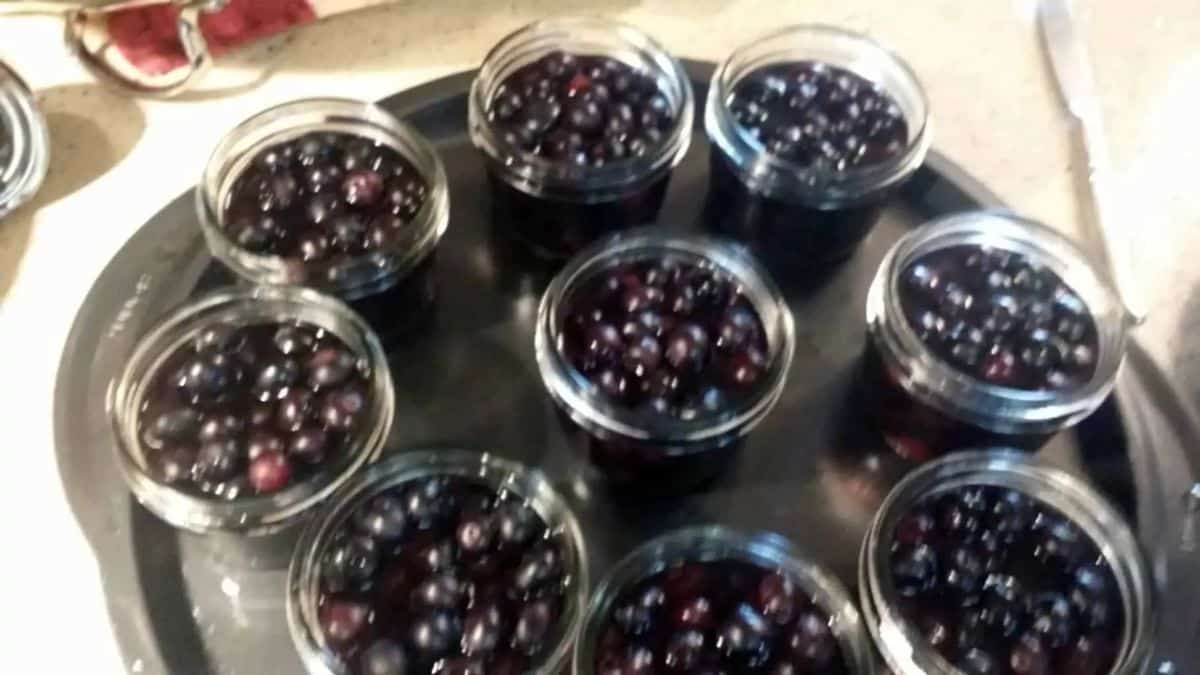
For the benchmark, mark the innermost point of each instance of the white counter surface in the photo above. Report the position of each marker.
(116, 161)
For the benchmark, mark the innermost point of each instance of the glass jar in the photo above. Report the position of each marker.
(798, 213)
(24, 142)
(391, 286)
(923, 405)
(558, 207)
(903, 648)
(229, 512)
(659, 453)
(713, 543)
(486, 469)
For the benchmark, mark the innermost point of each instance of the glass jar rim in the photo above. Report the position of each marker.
(355, 276)
(24, 170)
(783, 178)
(414, 464)
(903, 648)
(717, 542)
(260, 514)
(588, 408)
(588, 183)
(997, 408)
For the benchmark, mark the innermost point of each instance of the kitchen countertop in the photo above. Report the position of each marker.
(116, 161)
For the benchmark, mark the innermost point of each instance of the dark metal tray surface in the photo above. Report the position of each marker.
(183, 604)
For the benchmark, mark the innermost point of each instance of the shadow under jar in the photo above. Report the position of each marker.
(662, 353)
(332, 194)
(991, 562)
(243, 409)
(987, 329)
(712, 600)
(440, 562)
(580, 122)
(813, 129)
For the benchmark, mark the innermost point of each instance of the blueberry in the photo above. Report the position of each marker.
(343, 621)
(383, 657)
(475, 533)
(312, 246)
(603, 343)
(269, 472)
(697, 611)
(483, 629)
(517, 523)
(293, 408)
(916, 528)
(743, 639)
(275, 375)
(218, 459)
(219, 337)
(738, 330)
(173, 464)
(259, 442)
(743, 369)
(1092, 598)
(341, 409)
(914, 570)
(776, 595)
(443, 591)
(321, 207)
(533, 625)
(687, 347)
(540, 566)
(964, 574)
(428, 502)
(174, 425)
(362, 187)
(293, 340)
(642, 357)
(209, 376)
(1029, 657)
(382, 518)
(684, 650)
(434, 633)
(584, 116)
(979, 662)
(329, 366)
(308, 445)
(811, 641)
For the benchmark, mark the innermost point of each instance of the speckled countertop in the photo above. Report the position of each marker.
(117, 161)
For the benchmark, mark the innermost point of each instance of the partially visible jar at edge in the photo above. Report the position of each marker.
(813, 130)
(987, 329)
(580, 122)
(333, 194)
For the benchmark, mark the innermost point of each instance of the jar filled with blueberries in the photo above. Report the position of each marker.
(993, 562)
(243, 409)
(580, 122)
(447, 562)
(987, 329)
(662, 353)
(332, 194)
(813, 128)
(713, 600)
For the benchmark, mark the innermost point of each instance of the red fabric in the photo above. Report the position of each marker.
(148, 37)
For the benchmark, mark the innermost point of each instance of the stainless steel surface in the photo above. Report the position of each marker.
(183, 604)
(1074, 76)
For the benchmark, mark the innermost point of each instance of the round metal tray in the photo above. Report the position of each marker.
(185, 604)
